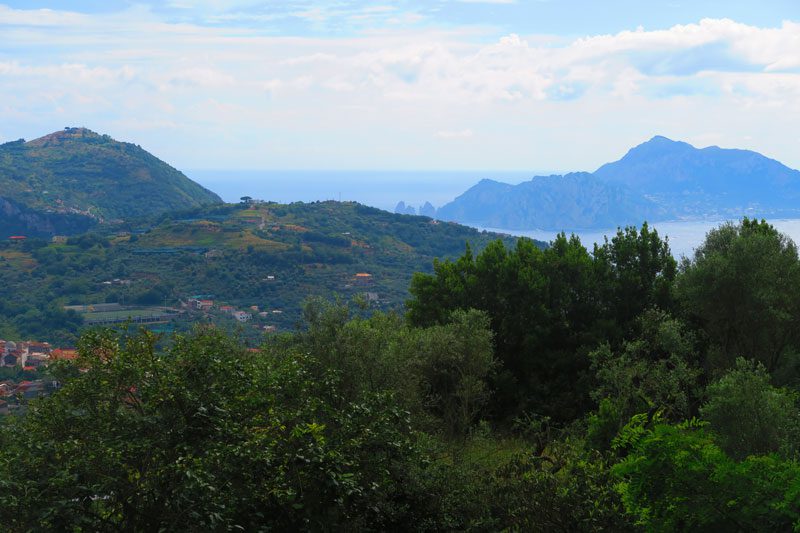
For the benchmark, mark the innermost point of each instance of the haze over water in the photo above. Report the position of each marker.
(684, 235)
(377, 188)
(383, 189)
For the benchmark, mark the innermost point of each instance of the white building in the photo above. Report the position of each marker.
(242, 316)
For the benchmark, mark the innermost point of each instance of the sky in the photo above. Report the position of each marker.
(403, 85)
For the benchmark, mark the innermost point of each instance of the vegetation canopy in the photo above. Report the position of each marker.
(524, 389)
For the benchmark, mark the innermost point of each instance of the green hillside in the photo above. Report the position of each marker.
(81, 173)
(272, 256)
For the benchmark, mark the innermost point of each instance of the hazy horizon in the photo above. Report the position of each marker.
(391, 186)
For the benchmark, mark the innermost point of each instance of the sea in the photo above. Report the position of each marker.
(384, 189)
(684, 236)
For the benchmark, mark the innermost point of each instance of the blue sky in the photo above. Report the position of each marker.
(559, 17)
(448, 84)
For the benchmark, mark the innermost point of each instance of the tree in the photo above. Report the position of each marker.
(675, 478)
(448, 288)
(453, 362)
(204, 436)
(656, 372)
(635, 272)
(548, 309)
(567, 489)
(743, 289)
(749, 416)
(439, 372)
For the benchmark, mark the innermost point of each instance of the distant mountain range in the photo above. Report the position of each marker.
(69, 180)
(658, 180)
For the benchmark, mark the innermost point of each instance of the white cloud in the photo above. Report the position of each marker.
(392, 88)
(202, 77)
(39, 17)
(449, 134)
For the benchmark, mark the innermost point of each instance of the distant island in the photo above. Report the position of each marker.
(658, 180)
(425, 210)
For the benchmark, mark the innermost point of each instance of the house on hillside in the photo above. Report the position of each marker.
(242, 316)
(35, 361)
(201, 304)
(363, 278)
(36, 347)
(30, 389)
(63, 354)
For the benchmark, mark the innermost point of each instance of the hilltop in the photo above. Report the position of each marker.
(268, 255)
(706, 181)
(69, 180)
(658, 180)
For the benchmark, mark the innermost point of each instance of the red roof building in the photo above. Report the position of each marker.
(63, 354)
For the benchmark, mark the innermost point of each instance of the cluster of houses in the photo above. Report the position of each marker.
(204, 304)
(30, 355)
(10, 393)
(27, 356)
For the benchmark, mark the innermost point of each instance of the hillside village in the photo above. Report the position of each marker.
(23, 373)
(205, 305)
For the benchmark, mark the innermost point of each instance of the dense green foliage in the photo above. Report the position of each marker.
(525, 389)
(743, 289)
(549, 308)
(77, 170)
(676, 478)
(750, 416)
(203, 437)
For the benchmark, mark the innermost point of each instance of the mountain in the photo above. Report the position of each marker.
(88, 176)
(660, 179)
(706, 181)
(573, 201)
